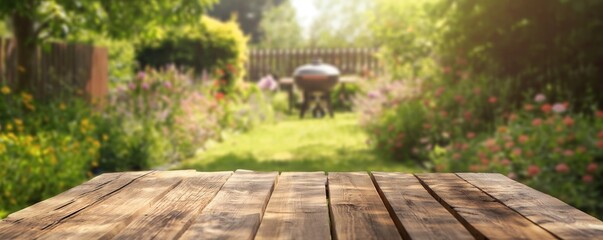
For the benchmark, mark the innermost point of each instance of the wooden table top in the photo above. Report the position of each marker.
(300, 205)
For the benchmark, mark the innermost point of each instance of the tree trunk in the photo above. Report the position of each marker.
(25, 38)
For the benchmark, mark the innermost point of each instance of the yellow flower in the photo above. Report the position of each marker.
(2, 148)
(53, 159)
(94, 163)
(105, 137)
(9, 127)
(96, 144)
(18, 121)
(26, 97)
(5, 90)
(62, 106)
(85, 122)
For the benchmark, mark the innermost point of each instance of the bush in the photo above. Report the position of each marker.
(213, 47)
(45, 148)
(548, 147)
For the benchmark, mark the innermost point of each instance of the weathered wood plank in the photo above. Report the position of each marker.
(109, 217)
(550, 213)
(481, 214)
(32, 221)
(173, 213)
(297, 209)
(416, 213)
(237, 209)
(357, 211)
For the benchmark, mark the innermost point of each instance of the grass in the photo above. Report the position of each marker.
(298, 145)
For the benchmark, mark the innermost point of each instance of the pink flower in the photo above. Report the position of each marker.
(439, 91)
(559, 108)
(470, 135)
(467, 115)
(512, 117)
(492, 100)
(456, 156)
(562, 168)
(528, 107)
(533, 170)
(509, 144)
(546, 108)
(505, 162)
(568, 153)
(145, 86)
(536, 122)
(540, 98)
(587, 178)
(141, 75)
(592, 167)
(568, 121)
(167, 85)
(132, 86)
(523, 138)
(599, 114)
(600, 144)
(516, 151)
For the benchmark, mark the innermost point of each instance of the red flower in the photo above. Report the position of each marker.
(512, 117)
(528, 107)
(523, 138)
(600, 144)
(492, 100)
(562, 168)
(427, 126)
(587, 178)
(599, 114)
(592, 167)
(219, 96)
(533, 170)
(470, 135)
(516, 151)
(537, 122)
(568, 121)
(467, 115)
(546, 108)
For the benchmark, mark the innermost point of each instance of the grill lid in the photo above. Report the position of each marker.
(316, 68)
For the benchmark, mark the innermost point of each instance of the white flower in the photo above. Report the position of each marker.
(540, 98)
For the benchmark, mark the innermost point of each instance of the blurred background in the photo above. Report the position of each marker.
(95, 86)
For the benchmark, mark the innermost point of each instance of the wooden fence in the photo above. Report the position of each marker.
(283, 62)
(60, 69)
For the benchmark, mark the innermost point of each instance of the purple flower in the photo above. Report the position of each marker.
(145, 86)
(167, 85)
(132, 86)
(268, 83)
(540, 98)
(373, 94)
(559, 108)
(141, 75)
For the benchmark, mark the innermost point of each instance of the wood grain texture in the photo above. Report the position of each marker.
(109, 217)
(550, 213)
(357, 211)
(237, 210)
(297, 209)
(416, 213)
(32, 221)
(173, 213)
(481, 214)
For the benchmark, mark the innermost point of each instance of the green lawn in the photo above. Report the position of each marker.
(297, 145)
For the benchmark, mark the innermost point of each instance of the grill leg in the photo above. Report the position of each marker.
(305, 103)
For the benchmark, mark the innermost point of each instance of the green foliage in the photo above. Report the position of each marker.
(280, 28)
(249, 14)
(551, 47)
(211, 47)
(121, 19)
(341, 23)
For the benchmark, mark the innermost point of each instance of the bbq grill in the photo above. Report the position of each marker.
(316, 80)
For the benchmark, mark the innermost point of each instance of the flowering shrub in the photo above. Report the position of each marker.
(407, 119)
(543, 145)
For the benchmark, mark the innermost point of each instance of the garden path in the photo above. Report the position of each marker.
(293, 144)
